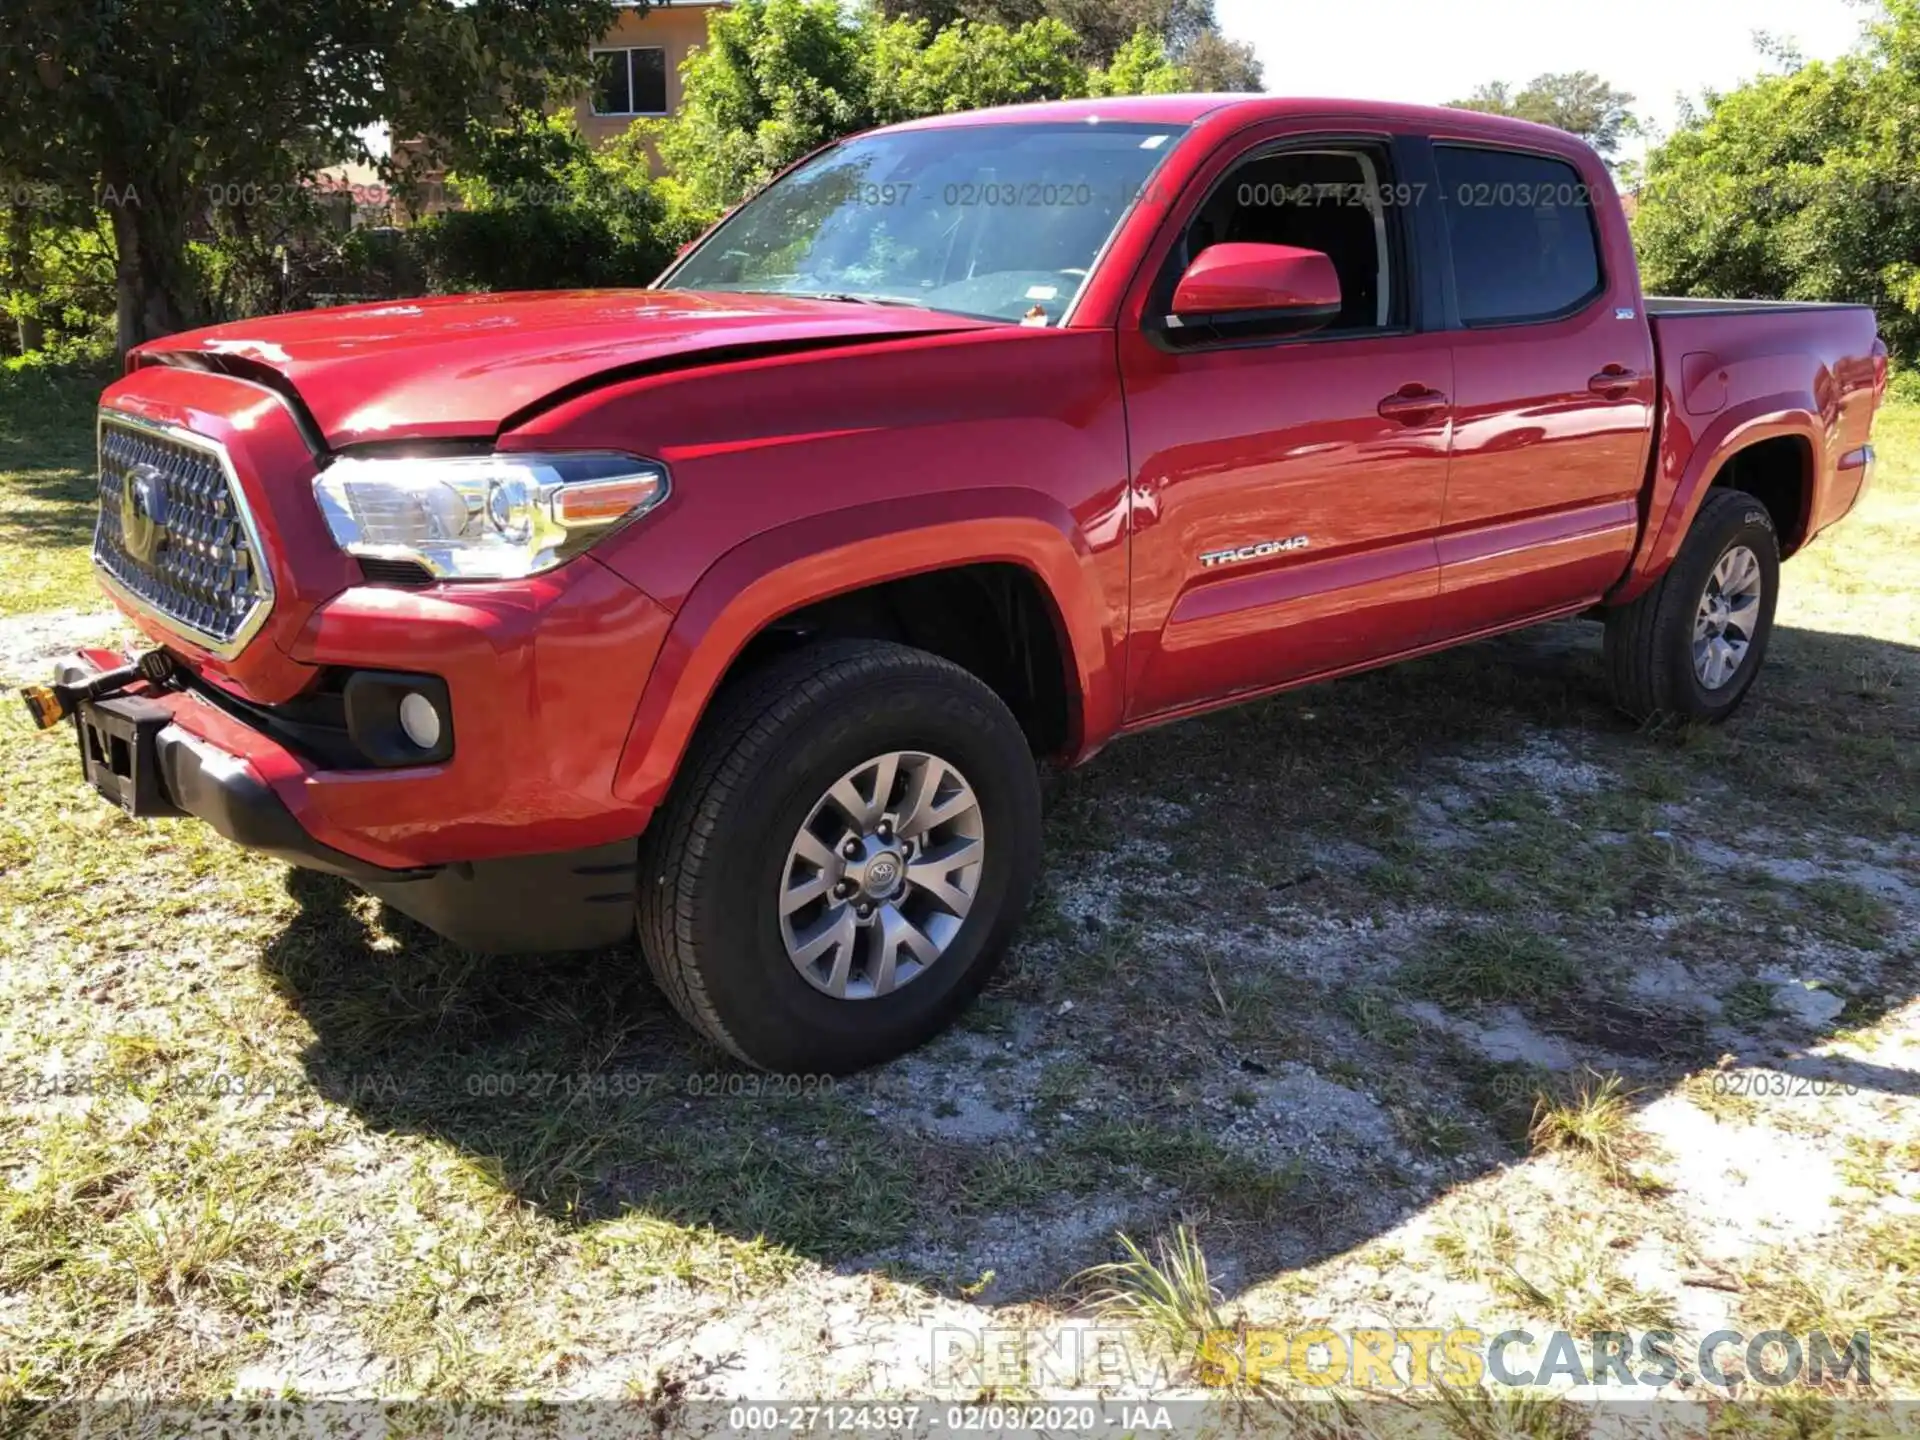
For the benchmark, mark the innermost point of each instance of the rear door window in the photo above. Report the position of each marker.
(1522, 234)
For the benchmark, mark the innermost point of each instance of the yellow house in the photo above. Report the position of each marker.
(637, 77)
(637, 66)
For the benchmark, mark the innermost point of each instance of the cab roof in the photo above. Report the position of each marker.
(1242, 109)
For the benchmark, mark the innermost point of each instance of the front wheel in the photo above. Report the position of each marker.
(1691, 647)
(850, 847)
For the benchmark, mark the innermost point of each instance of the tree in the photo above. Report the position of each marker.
(161, 111)
(1799, 186)
(971, 66)
(1214, 63)
(780, 78)
(1142, 67)
(1106, 26)
(1187, 29)
(1578, 101)
(775, 80)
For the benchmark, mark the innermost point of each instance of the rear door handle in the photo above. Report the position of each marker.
(1613, 382)
(1413, 405)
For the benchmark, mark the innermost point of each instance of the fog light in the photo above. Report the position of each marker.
(420, 720)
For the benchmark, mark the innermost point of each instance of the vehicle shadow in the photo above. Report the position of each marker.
(1233, 999)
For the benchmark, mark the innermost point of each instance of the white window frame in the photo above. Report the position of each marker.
(629, 51)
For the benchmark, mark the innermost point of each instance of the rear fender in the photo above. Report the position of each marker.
(785, 570)
(1687, 463)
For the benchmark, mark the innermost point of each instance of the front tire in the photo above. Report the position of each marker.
(1691, 647)
(850, 846)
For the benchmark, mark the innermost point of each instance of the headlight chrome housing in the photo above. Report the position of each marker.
(484, 517)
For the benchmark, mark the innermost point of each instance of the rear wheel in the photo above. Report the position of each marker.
(848, 851)
(1691, 647)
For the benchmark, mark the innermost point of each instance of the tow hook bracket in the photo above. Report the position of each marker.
(48, 705)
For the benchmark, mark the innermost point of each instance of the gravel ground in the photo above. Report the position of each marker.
(1298, 976)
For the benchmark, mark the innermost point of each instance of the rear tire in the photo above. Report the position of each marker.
(1691, 647)
(748, 870)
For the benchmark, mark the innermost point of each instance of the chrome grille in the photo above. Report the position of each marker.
(174, 536)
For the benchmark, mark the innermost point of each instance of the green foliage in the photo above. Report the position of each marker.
(1106, 27)
(1799, 186)
(1103, 29)
(56, 283)
(1579, 102)
(970, 66)
(545, 210)
(1214, 64)
(1140, 67)
(778, 79)
(252, 254)
(159, 107)
(524, 161)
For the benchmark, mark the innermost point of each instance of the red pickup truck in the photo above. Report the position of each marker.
(734, 612)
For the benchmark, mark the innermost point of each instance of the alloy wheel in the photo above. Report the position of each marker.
(1727, 617)
(881, 876)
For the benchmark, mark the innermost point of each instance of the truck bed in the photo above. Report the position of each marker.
(1727, 365)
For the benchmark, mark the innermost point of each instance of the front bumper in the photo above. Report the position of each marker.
(568, 900)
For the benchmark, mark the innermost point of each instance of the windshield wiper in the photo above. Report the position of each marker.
(848, 297)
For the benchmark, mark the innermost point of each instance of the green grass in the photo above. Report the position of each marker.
(1565, 1270)
(1845, 912)
(158, 1238)
(1749, 1002)
(1868, 1284)
(47, 489)
(1590, 1118)
(1169, 1292)
(1495, 964)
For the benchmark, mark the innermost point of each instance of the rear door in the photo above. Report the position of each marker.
(1286, 491)
(1553, 385)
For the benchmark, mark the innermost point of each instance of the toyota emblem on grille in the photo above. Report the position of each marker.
(143, 511)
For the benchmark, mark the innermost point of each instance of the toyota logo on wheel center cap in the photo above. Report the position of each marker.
(883, 873)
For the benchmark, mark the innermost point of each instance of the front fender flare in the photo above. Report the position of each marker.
(781, 571)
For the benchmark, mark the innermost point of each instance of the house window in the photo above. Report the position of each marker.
(630, 82)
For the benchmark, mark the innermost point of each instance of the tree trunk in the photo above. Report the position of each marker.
(31, 333)
(153, 280)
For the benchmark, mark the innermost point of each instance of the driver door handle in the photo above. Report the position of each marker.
(1413, 405)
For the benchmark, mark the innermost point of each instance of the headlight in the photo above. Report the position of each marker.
(483, 517)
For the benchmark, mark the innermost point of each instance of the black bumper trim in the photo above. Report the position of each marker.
(529, 904)
(217, 788)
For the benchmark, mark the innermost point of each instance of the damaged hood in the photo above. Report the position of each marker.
(467, 365)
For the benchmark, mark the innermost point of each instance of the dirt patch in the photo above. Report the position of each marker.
(29, 644)
(1302, 976)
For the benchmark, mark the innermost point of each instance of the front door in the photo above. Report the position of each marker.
(1287, 493)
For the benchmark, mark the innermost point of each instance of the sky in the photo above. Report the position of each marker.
(1429, 52)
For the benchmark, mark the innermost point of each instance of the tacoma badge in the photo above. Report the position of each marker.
(1212, 559)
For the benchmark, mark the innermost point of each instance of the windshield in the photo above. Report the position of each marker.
(999, 221)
